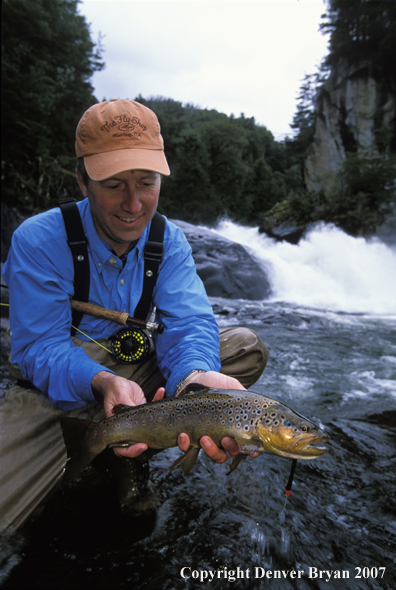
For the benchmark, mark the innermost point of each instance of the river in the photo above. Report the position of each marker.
(330, 328)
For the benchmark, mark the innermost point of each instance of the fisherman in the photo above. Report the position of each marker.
(120, 162)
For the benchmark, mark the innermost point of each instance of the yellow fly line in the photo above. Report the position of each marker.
(81, 332)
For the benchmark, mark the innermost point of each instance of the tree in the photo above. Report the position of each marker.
(221, 166)
(363, 30)
(48, 58)
(188, 192)
(226, 143)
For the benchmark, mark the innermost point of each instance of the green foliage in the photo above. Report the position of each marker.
(363, 30)
(221, 166)
(363, 185)
(48, 59)
(362, 33)
(305, 116)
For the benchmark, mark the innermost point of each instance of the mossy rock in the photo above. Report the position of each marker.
(280, 223)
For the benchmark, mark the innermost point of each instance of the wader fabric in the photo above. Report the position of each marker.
(32, 451)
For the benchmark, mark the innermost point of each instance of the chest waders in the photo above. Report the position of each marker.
(130, 345)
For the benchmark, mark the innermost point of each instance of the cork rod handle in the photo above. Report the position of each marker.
(100, 312)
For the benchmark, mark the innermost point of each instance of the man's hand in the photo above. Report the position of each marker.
(211, 449)
(112, 390)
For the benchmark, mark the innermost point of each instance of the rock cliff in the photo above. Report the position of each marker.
(355, 113)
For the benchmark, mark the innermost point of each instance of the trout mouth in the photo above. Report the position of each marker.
(312, 445)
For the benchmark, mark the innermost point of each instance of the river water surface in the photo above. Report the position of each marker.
(330, 326)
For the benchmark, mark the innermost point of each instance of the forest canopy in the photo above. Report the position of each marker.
(221, 165)
(48, 58)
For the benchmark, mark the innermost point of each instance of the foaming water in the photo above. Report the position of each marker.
(328, 269)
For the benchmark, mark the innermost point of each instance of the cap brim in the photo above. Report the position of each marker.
(101, 166)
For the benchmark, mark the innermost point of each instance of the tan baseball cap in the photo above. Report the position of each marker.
(120, 135)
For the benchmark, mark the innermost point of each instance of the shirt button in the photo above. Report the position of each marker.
(99, 264)
(113, 260)
(122, 282)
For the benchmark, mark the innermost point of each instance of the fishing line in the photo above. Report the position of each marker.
(94, 341)
(81, 332)
(128, 346)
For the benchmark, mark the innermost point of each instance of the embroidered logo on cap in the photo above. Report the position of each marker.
(124, 124)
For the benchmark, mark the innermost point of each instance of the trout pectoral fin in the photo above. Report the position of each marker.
(235, 462)
(188, 460)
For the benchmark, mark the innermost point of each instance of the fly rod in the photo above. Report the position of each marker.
(122, 318)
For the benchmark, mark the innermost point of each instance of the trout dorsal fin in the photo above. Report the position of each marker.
(194, 388)
(119, 408)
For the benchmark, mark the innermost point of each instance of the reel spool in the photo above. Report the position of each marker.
(131, 346)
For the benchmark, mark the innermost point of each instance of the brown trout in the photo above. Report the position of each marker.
(257, 423)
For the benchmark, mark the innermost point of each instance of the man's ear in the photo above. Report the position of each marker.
(81, 184)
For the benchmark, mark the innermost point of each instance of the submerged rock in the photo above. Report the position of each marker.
(226, 268)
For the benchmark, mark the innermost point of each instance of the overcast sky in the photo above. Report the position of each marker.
(235, 56)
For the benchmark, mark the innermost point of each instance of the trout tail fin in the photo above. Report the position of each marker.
(80, 452)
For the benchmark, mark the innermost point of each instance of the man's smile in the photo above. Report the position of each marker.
(128, 219)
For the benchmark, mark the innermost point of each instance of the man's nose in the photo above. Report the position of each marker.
(131, 202)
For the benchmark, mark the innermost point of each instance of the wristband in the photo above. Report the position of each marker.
(186, 379)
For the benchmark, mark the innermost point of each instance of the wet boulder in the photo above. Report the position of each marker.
(280, 223)
(226, 268)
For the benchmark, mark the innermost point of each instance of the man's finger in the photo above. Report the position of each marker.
(183, 441)
(230, 445)
(132, 451)
(212, 450)
(160, 394)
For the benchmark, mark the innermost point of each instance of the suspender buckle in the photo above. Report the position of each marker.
(154, 250)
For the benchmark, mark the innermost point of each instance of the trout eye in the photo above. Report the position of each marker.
(304, 428)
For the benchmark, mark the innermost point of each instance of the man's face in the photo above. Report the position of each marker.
(123, 205)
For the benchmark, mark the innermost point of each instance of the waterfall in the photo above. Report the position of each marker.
(327, 269)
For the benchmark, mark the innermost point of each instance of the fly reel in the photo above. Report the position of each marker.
(131, 346)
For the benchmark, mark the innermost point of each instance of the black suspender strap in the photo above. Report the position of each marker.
(153, 252)
(78, 245)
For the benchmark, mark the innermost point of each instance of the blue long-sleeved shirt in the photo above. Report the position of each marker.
(39, 273)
